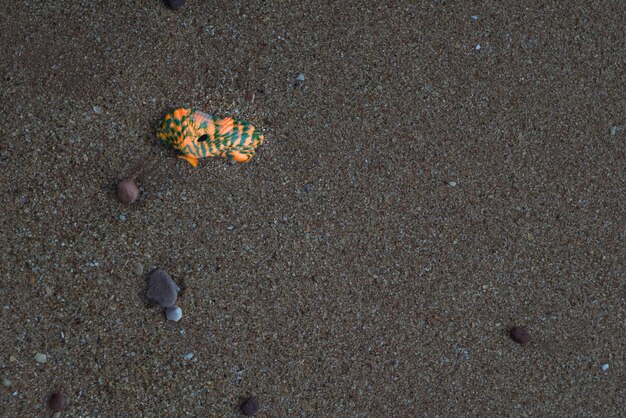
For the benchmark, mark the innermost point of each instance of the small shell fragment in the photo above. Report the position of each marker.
(174, 313)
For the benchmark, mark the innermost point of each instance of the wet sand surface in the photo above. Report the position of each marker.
(444, 172)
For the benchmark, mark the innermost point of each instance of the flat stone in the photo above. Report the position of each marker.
(162, 290)
(41, 358)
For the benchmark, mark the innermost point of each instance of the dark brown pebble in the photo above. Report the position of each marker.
(175, 4)
(162, 290)
(250, 407)
(127, 191)
(57, 402)
(520, 335)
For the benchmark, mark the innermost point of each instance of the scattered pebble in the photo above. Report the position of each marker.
(122, 217)
(474, 17)
(520, 335)
(477, 47)
(97, 109)
(175, 4)
(250, 96)
(6, 382)
(613, 130)
(12, 359)
(127, 191)
(452, 183)
(300, 77)
(41, 358)
(250, 407)
(188, 356)
(57, 402)
(57, 414)
(605, 367)
(138, 269)
(308, 188)
(182, 332)
(161, 289)
(174, 313)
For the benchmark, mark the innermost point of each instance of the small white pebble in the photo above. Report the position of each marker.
(605, 367)
(97, 109)
(474, 17)
(174, 313)
(122, 217)
(41, 358)
(6, 382)
(182, 332)
(452, 183)
(477, 47)
(188, 356)
(613, 130)
(300, 77)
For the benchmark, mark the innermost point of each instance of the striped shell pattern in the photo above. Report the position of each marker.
(196, 135)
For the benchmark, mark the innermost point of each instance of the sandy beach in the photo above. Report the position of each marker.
(434, 173)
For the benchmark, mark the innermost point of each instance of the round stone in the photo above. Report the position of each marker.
(174, 313)
(520, 335)
(175, 4)
(57, 402)
(138, 269)
(162, 290)
(250, 407)
(127, 191)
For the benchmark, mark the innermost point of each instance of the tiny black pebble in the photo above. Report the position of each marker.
(520, 335)
(175, 4)
(57, 402)
(250, 407)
